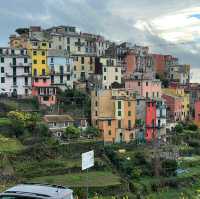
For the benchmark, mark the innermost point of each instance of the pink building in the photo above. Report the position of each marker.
(174, 107)
(197, 110)
(144, 87)
(42, 89)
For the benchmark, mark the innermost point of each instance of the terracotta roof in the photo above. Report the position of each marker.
(58, 118)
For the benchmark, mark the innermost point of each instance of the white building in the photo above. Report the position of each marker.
(15, 72)
(61, 69)
(111, 72)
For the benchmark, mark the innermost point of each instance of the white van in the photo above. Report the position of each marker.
(37, 191)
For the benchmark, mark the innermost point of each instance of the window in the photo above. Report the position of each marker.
(116, 78)
(119, 104)
(2, 79)
(34, 52)
(157, 94)
(68, 48)
(25, 60)
(153, 94)
(79, 48)
(68, 40)
(75, 68)
(44, 44)
(45, 98)
(26, 81)
(82, 68)
(147, 94)
(116, 70)
(59, 38)
(43, 72)
(147, 84)
(43, 53)
(2, 59)
(91, 68)
(36, 80)
(119, 124)
(109, 132)
(61, 79)
(109, 122)
(104, 77)
(75, 76)
(14, 81)
(2, 69)
(91, 60)
(35, 72)
(52, 79)
(119, 113)
(61, 70)
(104, 69)
(96, 113)
(138, 102)
(129, 113)
(60, 47)
(129, 124)
(82, 60)
(44, 80)
(14, 61)
(26, 91)
(96, 103)
(138, 83)
(34, 61)
(129, 104)
(43, 62)
(22, 52)
(51, 59)
(68, 77)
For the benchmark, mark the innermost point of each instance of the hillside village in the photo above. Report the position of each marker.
(63, 92)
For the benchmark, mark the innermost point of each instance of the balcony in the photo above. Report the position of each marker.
(79, 43)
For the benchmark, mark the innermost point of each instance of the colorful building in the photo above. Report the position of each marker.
(180, 101)
(159, 64)
(38, 52)
(145, 87)
(84, 66)
(114, 113)
(111, 72)
(61, 69)
(44, 91)
(15, 72)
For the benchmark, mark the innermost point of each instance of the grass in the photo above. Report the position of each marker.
(92, 179)
(9, 145)
(5, 122)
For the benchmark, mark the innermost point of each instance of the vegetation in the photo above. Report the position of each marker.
(72, 132)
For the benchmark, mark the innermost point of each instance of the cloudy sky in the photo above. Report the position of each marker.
(170, 26)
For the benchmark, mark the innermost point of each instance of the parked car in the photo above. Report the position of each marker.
(37, 191)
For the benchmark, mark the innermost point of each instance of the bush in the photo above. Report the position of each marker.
(192, 127)
(178, 128)
(169, 167)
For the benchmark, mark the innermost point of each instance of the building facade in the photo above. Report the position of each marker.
(61, 69)
(15, 73)
(114, 113)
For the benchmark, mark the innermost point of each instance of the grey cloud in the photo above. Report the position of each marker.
(113, 18)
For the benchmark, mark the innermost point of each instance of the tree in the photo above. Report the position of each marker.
(169, 167)
(178, 128)
(72, 132)
(92, 131)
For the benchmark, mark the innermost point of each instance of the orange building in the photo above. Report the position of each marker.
(114, 112)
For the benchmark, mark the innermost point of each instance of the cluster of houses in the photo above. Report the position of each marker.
(134, 94)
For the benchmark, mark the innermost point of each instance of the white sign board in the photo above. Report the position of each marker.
(87, 160)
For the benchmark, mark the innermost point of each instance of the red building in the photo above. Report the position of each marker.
(151, 130)
(159, 64)
(197, 111)
(130, 63)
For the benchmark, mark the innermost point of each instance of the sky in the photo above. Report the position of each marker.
(168, 27)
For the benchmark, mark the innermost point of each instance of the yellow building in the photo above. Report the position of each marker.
(114, 113)
(179, 92)
(38, 52)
